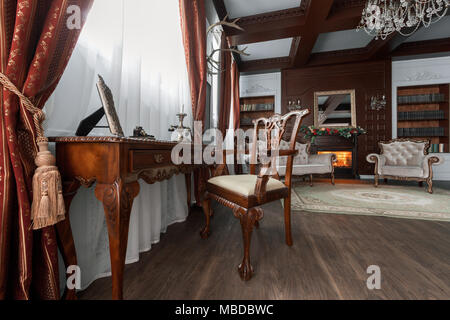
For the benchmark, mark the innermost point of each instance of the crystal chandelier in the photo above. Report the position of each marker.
(380, 18)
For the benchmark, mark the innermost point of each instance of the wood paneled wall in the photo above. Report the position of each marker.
(367, 78)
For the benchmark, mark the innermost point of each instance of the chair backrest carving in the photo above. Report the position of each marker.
(273, 129)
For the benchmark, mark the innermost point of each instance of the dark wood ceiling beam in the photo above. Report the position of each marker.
(294, 49)
(265, 64)
(290, 23)
(337, 57)
(422, 47)
(316, 15)
(347, 9)
(268, 26)
(221, 11)
(371, 51)
(376, 49)
(332, 25)
(263, 35)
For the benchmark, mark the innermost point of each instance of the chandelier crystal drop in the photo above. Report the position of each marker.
(380, 18)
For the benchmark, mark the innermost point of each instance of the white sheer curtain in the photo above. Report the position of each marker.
(136, 45)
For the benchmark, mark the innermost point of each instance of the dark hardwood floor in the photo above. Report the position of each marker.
(328, 260)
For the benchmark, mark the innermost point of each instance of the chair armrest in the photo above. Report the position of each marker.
(376, 158)
(428, 161)
(326, 158)
(281, 152)
(434, 159)
(287, 152)
(379, 161)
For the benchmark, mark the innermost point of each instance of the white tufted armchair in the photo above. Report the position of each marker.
(405, 159)
(305, 163)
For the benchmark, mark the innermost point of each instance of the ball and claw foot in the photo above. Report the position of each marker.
(245, 270)
(205, 233)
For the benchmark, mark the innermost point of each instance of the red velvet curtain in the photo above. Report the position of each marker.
(35, 46)
(225, 87)
(193, 28)
(235, 75)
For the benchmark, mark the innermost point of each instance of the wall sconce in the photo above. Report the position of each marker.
(378, 102)
(294, 105)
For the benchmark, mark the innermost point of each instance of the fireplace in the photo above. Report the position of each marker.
(346, 151)
(344, 158)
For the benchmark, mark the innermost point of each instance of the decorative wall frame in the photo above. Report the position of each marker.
(352, 94)
(107, 100)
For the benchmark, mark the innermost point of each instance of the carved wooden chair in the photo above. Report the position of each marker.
(245, 193)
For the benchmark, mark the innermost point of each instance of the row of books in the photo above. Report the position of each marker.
(421, 132)
(422, 98)
(422, 115)
(257, 107)
(436, 148)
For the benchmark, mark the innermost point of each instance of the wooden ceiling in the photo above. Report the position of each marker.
(305, 23)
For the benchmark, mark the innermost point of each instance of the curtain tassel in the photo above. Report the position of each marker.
(48, 207)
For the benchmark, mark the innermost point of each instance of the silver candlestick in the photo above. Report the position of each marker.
(181, 133)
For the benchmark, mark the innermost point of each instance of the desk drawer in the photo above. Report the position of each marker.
(143, 159)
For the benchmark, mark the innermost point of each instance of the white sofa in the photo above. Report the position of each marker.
(307, 164)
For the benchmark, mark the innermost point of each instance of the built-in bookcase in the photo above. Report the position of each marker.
(423, 112)
(255, 107)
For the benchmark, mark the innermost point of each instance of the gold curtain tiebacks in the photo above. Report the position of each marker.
(47, 207)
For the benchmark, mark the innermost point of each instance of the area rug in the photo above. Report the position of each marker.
(363, 199)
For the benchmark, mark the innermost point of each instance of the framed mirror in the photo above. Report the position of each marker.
(335, 108)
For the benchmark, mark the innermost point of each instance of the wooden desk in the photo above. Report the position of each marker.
(115, 165)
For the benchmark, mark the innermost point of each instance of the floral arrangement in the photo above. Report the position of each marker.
(312, 132)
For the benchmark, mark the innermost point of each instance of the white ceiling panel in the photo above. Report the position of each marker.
(242, 8)
(267, 49)
(341, 40)
(438, 30)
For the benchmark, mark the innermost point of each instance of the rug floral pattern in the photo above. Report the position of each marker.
(390, 201)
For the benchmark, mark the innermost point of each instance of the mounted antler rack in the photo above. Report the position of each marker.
(214, 65)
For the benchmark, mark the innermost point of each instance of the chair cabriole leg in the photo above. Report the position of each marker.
(206, 204)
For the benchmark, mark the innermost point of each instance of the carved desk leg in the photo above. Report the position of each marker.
(117, 199)
(66, 243)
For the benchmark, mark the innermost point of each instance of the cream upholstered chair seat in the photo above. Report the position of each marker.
(244, 184)
(404, 171)
(405, 159)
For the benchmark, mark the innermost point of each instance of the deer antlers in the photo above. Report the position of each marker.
(214, 65)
